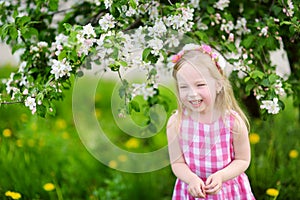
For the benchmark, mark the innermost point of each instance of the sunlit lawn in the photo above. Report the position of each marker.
(45, 158)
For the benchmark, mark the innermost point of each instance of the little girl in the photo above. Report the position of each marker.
(208, 135)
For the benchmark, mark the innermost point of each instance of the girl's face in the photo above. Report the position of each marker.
(197, 88)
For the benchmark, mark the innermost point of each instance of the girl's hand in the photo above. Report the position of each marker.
(213, 183)
(196, 188)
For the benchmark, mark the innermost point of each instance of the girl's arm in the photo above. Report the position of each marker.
(178, 164)
(241, 160)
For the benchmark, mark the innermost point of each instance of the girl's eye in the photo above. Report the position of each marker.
(200, 84)
(182, 87)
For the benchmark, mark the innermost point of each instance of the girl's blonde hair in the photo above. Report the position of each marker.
(225, 99)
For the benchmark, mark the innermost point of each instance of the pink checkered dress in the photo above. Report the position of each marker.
(208, 148)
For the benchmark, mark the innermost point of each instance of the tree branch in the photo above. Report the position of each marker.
(11, 102)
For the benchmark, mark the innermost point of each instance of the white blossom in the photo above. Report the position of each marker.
(241, 26)
(25, 92)
(201, 25)
(156, 44)
(264, 31)
(227, 27)
(31, 104)
(158, 30)
(187, 14)
(89, 31)
(221, 4)
(195, 3)
(108, 3)
(22, 66)
(173, 41)
(290, 11)
(107, 22)
(278, 88)
(153, 10)
(60, 69)
(271, 106)
(143, 90)
(42, 44)
(24, 81)
(130, 12)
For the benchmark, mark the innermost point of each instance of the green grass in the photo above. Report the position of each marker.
(49, 150)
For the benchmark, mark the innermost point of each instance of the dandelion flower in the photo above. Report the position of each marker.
(254, 138)
(112, 164)
(132, 143)
(293, 153)
(61, 124)
(7, 132)
(13, 195)
(49, 187)
(122, 158)
(272, 192)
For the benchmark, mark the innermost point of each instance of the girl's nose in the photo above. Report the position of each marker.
(192, 92)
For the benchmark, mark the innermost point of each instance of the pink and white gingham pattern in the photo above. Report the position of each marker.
(208, 148)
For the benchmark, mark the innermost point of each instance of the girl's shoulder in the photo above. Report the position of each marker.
(237, 123)
(173, 119)
(173, 126)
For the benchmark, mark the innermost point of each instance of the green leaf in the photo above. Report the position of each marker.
(29, 32)
(202, 36)
(68, 27)
(248, 41)
(247, 79)
(133, 4)
(135, 106)
(17, 47)
(210, 10)
(256, 73)
(272, 78)
(250, 85)
(145, 54)
(62, 55)
(53, 5)
(115, 53)
(4, 30)
(13, 32)
(80, 74)
(265, 82)
(21, 21)
(114, 67)
(123, 63)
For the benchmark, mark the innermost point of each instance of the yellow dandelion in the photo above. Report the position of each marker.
(293, 153)
(65, 135)
(98, 97)
(132, 143)
(13, 195)
(24, 117)
(19, 143)
(49, 187)
(122, 158)
(254, 138)
(42, 143)
(112, 164)
(31, 142)
(98, 112)
(7, 132)
(61, 124)
(272, 192)
(34, 126)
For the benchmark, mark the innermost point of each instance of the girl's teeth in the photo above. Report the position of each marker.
(195, 102)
